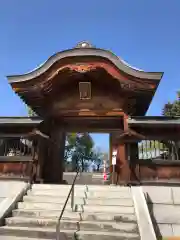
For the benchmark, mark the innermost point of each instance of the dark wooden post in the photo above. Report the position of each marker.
(122, 164)
(51, 146)
(42, 152)
(56, 156)
(133, 161)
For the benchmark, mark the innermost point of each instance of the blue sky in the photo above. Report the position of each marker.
(144, 33)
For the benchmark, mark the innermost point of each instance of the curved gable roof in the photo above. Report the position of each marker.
(87, 52)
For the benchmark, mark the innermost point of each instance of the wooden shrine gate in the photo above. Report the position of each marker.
(88, 89)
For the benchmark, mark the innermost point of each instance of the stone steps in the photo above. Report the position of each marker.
(41, 223)
(39, 233)
(73, 225)
(18, 238)
(84, 187)
(108, 209)
(100, 213)
(79, 208)
(108, 194)
(81, 191)
(38, 205)
(50, 233)
(82, 194)
(74, 215)
(43, 213)
(56, 186)
(49, 199)
(109, 202)
(54, 193)
(89, 235)
(79, 200)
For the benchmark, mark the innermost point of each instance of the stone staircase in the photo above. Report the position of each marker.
(100, 212)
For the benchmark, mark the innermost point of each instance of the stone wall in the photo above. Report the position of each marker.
(164, 207)
(10, 193)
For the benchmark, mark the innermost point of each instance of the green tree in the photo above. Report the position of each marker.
(98, 158)
(172, 109)
(79, 148)
(31, 113)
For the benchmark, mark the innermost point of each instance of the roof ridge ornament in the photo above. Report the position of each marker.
(84, 44)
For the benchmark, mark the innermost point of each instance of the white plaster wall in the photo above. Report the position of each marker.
(164, 204)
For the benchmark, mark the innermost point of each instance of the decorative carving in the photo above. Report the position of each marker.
(81, 68)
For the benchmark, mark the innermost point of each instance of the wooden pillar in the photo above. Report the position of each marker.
(122, 164)
(125, 120)
(56, 156)
(134, 161)
(43, 148)
(134, 151)
(51, 154)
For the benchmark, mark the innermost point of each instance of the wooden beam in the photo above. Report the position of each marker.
(14, 159)
(14, 135)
